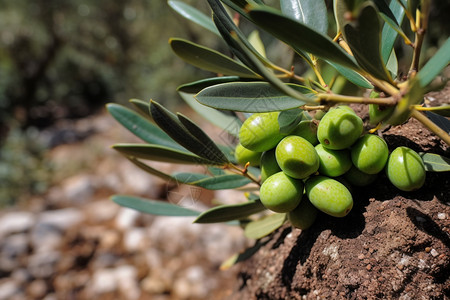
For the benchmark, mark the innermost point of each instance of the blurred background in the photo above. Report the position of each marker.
(60, 235)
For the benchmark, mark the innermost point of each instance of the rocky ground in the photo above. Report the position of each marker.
(75, 243)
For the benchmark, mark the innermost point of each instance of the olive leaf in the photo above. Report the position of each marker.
(312, 13)
(231, 212)
(153, 207)
(435, 163)
(264, 226)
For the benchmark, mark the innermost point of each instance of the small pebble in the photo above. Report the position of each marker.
(434, 252)
(441, 216)
(369, 267)
(361, 256)
(427, 249)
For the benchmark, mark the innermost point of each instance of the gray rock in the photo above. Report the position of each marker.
(126, 218)
(14, 246)
(45, 237)
(103, 281)
(78, 189)
(15, 222)
(42, 264)
(9, 289)
(135, 239)
(62, 219)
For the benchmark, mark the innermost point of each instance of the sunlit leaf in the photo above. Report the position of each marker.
(141, 127)
(249, 97)
(312, 13)
(194, 15)
(435, 65)
(231, 212)
(363, 36)
(301, 36)
(209, 59)
(352, 76)
(153, 207)
(255, 40)
(392, 64)
(435, 163)
(161, 153)
(228, 122)
(264, 226)
(388, 34)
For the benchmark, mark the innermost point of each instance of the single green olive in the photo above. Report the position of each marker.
(370, 154)
(260, 132)
(329, 195)
(357, 178)
(405, 169)
(307, 130)
(297, 157)
(339, 129)
(244, 156)
(333, 163)
(268, 165)
(304, 215)
(281, 193)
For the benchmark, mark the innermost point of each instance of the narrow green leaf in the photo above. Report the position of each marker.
(384, 9)
(161, 153)
(344, 10)
(289, 119)
(264, 226)
(238, 257)
(363, 37)
(443, 110)
(388, 34)
(435, 65)
(176, 130)
(351, 75)
(439, 120)
(153, 207)
(209, 146)
(301, 36)
(149, 169)
(312, 13)
(142, 107)
(221, 182)
(197, 86)
(249, 97)
(194, 15)
(228, 122)
(255, 40)
(392, 64)
(209, 59)
(141, 127)
(225, 213)
(435, 163)
(227, 28)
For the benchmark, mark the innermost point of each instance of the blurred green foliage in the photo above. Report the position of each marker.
(65, 58)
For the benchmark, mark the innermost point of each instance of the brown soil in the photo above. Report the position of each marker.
(393, 245)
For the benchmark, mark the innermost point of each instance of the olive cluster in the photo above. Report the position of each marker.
(311, 168)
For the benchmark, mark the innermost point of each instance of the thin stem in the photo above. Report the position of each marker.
(317, 72)
(422, 26)
(390, 101)
(288, 74)
(430, 125)
(409, 16)
(244, 172)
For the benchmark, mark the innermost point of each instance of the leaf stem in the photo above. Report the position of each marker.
(325, 98)
(430, 125)
(409, 16)
(243, 172)
(422, 24)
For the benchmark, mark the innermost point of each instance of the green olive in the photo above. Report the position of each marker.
(281, 193)
(244, 156)
(405, 169)
(339, 129)
(370, 154)
(304, 215)
(269, 165)
(333, 163)
(357, 178)
(260, 132)
(297, 157)
(307, 130)
(329, 196)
